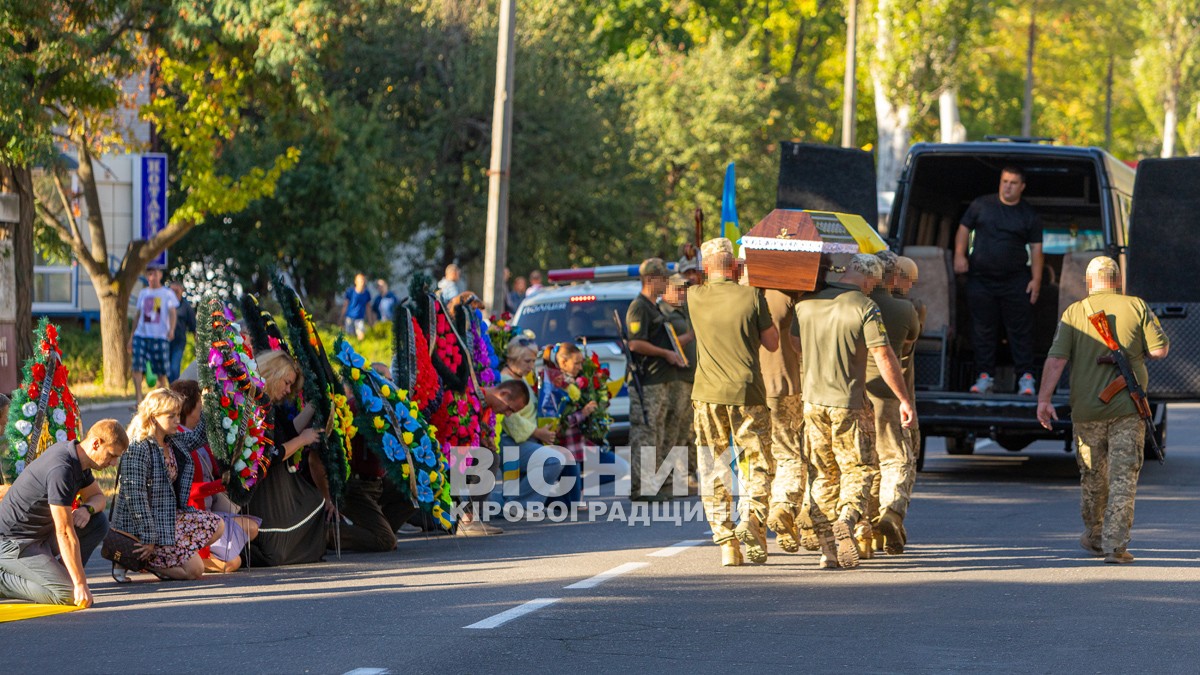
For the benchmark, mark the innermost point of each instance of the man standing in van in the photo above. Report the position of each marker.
(1002, 281)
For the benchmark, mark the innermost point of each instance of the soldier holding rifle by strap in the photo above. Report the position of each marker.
(1108, 407)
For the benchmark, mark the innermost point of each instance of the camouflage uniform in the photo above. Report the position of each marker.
(841, 452)
(897, 456)
(1110, 458)
(786, 461)
(651, 434)
(750, 427)
(679, 427)
(1109, 436)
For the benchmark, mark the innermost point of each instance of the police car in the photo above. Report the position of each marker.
(581, 311)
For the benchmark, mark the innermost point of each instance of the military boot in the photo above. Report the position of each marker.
(750, 532)
(863, 539)
(809, 539)
(783, 523)
(828, 547)
(731, 554)
(891, 526)
(847, 549)
(1119, 557)
(1090, 544)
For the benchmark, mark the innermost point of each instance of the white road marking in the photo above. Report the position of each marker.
(514, 613)
(605, 576)
(675, 549)
(368, 671)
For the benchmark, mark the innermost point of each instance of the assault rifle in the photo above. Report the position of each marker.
(630, 365)
(1125, 381)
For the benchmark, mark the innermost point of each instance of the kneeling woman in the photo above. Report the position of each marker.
(208, 489)
(155, 480)
(291, 508)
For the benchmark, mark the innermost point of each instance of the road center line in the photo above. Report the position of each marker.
(368, 671)
(605, 576)
(514, 613)
(675, 549)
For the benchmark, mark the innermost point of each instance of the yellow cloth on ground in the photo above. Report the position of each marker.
(20, 611)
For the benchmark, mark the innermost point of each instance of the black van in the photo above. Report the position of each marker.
(1090, 204)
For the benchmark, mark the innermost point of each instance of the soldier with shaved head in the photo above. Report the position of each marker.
(1109, 434)
(839, 328)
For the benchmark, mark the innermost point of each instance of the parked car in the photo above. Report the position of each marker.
(1090, 204)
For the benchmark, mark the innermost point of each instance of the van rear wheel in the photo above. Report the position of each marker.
(961, 444)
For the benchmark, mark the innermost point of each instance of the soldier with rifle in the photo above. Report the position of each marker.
(1106, 337)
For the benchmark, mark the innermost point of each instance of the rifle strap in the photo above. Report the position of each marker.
(1087, 307)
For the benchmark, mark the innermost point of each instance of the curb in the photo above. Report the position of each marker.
(100, 406)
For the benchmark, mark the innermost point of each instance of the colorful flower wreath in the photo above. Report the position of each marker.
(395, 430)
(321, 387)
(43, 410)
(235, 421)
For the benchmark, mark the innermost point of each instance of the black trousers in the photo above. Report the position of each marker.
(995, 301)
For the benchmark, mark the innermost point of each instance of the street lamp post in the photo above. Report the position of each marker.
(497, 215)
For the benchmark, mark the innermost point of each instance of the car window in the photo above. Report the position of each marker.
(1060, 241)
(566, 320)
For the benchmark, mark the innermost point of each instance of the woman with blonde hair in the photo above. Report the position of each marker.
(154, 482)
(290, 505)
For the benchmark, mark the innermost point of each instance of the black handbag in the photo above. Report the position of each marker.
(119, 545)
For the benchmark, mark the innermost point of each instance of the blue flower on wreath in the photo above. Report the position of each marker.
(424, 452)
(406, 419)
(424, 491)
(370, 402)
(349, 357)
(393, 448)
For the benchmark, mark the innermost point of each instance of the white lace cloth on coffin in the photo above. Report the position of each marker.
(802, 245)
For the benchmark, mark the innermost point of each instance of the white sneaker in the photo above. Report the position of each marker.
(983, 385)
(1027, 386)
(408, 529)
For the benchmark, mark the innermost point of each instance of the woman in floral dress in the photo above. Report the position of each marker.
(152, 501)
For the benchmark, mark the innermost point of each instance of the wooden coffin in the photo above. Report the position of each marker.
(790, 250)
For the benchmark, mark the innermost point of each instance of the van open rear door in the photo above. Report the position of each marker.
(1163, 263)
(826, 178)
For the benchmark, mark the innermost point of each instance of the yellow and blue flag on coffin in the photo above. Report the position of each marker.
(729, 217)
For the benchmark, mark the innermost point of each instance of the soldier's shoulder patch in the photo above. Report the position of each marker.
(635, 326)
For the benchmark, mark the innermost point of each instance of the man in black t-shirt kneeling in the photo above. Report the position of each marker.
(1002, 281)
(40, 524)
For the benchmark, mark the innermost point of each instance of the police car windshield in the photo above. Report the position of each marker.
(566, 321)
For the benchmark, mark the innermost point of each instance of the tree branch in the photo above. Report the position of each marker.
(66, 204)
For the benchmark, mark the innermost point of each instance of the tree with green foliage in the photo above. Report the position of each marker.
(1168, 66)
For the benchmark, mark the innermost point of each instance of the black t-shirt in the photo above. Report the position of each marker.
(646, 322)
(1001, 233)
(53, 478)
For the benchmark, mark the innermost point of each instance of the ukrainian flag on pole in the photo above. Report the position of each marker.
(729, 217)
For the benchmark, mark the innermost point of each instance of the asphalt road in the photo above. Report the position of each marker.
(993, 581)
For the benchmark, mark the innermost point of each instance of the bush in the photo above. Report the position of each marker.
(376, 346)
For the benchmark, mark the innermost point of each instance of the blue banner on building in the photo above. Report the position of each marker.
(150, 199)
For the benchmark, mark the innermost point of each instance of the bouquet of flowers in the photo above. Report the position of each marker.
(395, 430)
(591, 385)
(501, 331)
(43, 410)
(235, 422)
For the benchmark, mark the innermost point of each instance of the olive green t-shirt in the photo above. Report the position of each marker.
(1134, 326)
(682, 323)
(645, 322)
(837, 326)
(728, 319)
(903, 328)
(781, 368)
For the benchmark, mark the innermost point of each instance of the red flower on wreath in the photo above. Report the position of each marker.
(60, 377)
(39, 371)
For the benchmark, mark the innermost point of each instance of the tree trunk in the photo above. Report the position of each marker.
(952, 130)
(19, 180)
(1027, 108)
(894, 125)
(1108, 103)
(114, 336)
(1170, 118)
